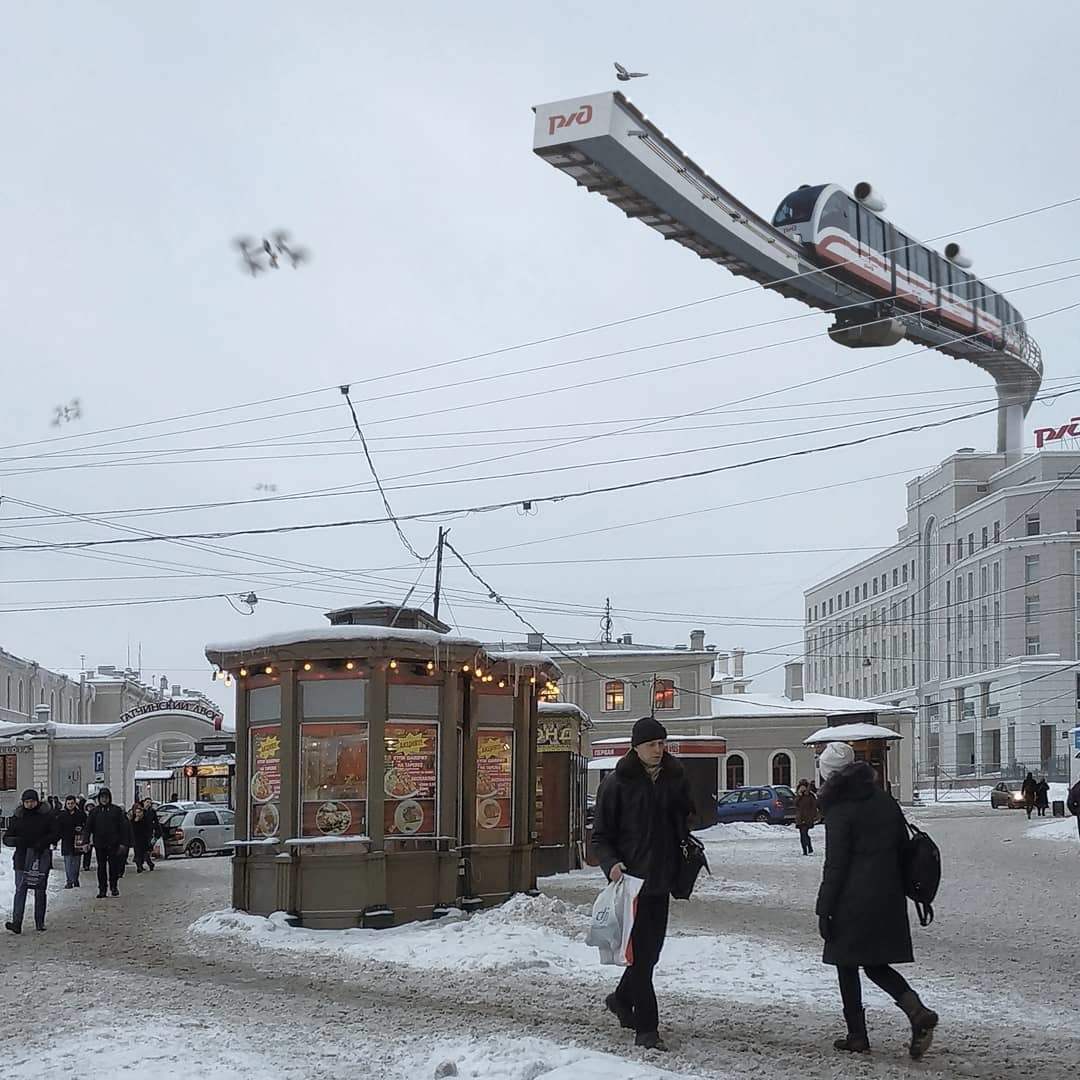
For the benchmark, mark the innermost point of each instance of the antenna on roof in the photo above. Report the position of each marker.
(606, 623)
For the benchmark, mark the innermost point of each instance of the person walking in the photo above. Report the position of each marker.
(1028, 790)
(1073, 802)
(142, 836)
(1042, 796)
(32, 833)
(806, 815)
(862, 906)
(69, 825)
(109, 831)
(155, 829)
(641, 819)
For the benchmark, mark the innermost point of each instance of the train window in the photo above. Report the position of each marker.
(875, 233)
(941, 271)
(838, 213)
(798, 206)
(922, 262)
(961, 286)
(902, 244)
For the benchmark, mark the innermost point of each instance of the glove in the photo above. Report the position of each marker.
(825, 927)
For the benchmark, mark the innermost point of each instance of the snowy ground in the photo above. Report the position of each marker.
(197, 992)
(962, 796)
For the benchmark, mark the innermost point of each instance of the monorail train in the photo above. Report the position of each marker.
(846, 232)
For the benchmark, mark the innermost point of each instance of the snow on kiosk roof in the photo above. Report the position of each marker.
(851, 733)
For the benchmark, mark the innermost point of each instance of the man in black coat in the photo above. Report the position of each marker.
(70, 823)
(154, 827)
(109, 830)
(862, 905)
(1073, 802)
(32, 833)
(642, 811)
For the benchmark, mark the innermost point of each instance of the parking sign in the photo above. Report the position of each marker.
(99, 761)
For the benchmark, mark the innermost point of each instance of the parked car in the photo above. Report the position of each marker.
(198, 831)
(773, 805)
(1008, 794)
(165, 809)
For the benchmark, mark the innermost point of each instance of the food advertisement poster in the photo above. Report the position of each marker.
(334, 767)
(264, 788)
(494, 784)
(410, 779)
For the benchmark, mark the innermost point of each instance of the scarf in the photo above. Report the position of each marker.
(653, 771)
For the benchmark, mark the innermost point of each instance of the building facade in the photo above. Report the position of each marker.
(971, 618)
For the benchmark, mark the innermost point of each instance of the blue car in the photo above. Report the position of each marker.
(774, 805)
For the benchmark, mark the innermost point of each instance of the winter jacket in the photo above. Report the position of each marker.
(862, 886)
(1074, 799)
(31, 833)
(155, 824)
(70, 826)
(1028, 789)
(642, 823)
(1042, 795)
(806, 810)
(108, 828)
(142, 833)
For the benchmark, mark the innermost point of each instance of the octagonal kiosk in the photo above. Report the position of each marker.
(384, 773)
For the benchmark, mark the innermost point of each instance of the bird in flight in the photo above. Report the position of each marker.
(625, 76)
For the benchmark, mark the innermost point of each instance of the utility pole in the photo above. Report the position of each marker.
(438, 567)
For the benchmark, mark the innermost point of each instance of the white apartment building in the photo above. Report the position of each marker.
(972, 617)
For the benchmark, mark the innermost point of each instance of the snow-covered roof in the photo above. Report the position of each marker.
(153, 774)
(824, 705)
(344, 634)
(562, 708)
(604, 650)
(851, 733)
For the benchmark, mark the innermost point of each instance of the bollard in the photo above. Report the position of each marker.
(1058, 808)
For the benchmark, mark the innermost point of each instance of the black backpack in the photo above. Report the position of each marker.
(921, 859)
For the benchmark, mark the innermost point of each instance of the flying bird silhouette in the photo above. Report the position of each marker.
(625, 76)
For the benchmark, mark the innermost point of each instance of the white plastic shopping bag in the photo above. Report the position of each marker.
(613, 920)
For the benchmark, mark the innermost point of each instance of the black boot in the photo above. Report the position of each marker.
(15, 928)
(923, 1022)
(650, 1040)
(856, 1041)
(624, 1012)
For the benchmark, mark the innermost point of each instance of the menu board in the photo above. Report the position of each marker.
(494, 785)
(410, 778)
(334, 765)
(264, 787)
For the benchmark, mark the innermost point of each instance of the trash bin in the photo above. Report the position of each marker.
(1058, 807)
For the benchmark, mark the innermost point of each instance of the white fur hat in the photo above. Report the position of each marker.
(834, 757)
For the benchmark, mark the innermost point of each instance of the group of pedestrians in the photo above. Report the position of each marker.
(640, 828)
(83, 830)
(1036, 795)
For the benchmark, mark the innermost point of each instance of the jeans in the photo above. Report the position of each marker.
(71, 868)
(110, 865)
(804, 838)
(889, 979)
(646, 940)
(18, 909)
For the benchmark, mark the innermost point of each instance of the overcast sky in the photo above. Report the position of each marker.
(395, 142)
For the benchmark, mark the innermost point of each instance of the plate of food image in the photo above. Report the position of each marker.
(266, 820)
(398, 784)
(261, 788)
(488, 814)
(485, 787)
(408, 817)
(333, 818)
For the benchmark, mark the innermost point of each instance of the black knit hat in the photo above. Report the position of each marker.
(30, 795)
(647, 729)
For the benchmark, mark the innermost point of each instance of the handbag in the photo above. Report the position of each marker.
(36, 870)
(691, 862)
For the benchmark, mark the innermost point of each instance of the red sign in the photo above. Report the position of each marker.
(1048, 434)
(558, 121)
(681, 748)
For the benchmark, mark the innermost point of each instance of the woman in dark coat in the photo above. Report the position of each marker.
(1029, 789)
(1042, 796)
(142, 837)
(806, 813)
(862, 906)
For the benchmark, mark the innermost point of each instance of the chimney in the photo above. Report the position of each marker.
(164, 684)
(536, 642)
(793, 680)
(697, 640)
(722, 663)
(41, 714)
(737, 661)
(627, 639)
(175, 692)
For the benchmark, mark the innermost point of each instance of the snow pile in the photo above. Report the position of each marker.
(538, 1059)
(745, 830)
(525, 932)
(1061, 830)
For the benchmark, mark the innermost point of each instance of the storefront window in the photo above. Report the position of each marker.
(494, 785)
(264, 789)
(334, 767)
(410, 780)
(212, 784)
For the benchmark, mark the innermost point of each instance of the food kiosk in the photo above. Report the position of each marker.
(561, 732)
(871, 744)
(385, 769)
